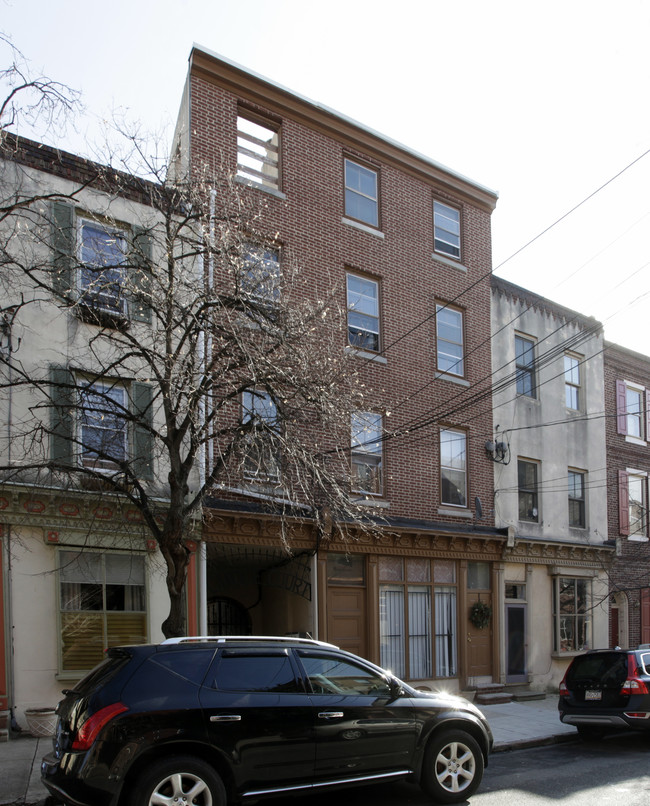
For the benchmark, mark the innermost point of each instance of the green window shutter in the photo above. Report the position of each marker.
(62, 395)
(142, 399)
(63, 248)
(140, 261)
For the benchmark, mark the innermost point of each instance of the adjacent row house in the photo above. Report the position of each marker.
(500, 481)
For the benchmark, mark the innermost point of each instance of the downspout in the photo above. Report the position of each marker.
(207, 453)
(8, 649)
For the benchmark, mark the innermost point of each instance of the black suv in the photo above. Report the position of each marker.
(209, 720)
(607, 689)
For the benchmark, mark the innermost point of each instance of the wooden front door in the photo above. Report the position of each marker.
(645, 616)
(346, 618)
(479, 641)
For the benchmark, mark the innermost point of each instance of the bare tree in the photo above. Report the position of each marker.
(198, 362)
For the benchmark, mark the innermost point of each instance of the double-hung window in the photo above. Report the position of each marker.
(446, 230)
(577, 513)
(572, 382)
(366, 452)
(104, 433)
(417, 617)
(527, 478)
(258, 151)
(361, 193)
(102, 258)
(525, 366)
(571, 608)
(260, 274)
(449, 340)
(363, 312)
(102, 603)
(631, 411)
(633, 503)
(453, 467)
(261, 461)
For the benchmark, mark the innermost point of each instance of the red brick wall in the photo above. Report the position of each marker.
(309, 225)
(631, 571)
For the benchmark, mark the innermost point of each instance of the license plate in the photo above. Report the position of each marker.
(593, 695)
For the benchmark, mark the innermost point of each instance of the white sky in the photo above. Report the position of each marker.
(542, 102)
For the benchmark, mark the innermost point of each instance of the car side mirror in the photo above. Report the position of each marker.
(396, 688)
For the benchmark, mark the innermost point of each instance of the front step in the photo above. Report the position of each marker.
(491, 694)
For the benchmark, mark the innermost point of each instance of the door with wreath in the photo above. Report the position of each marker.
(479, 620)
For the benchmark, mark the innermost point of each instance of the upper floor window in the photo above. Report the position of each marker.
(633, 503)
(261, 462)
(631, 414)
(453, 467)
(102, 259)
(103, 429)
(577, 514)
(446, 229)
(258, 151)
(527, 482)
(366, 452)
(107, 269)
(260, 277)
(449, 340)
(525, 366)
(363, 312)
(572, 382)
(361, 193)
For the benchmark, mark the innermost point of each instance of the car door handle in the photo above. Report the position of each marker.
(225, 718)
(330, 715)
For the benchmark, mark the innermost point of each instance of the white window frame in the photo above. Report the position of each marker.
(258, 151)
(573, 381)
(363, 313)
(446, 230)
(637, 417)
(105, 294)
(102, 391)
(354, 192)
(450, 353)
(453, 465)
(637, 479)
(573, 622)
(366, 429)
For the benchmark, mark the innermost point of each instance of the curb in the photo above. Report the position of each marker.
(543, 741)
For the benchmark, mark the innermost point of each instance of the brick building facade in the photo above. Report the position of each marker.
(627, 385)
(406, 243)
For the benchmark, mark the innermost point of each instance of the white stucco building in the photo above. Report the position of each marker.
(550, 483)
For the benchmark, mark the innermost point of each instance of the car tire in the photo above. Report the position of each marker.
(589, 733)
(453, 767)
(176, 778)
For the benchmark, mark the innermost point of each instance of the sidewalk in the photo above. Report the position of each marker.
(514, 725)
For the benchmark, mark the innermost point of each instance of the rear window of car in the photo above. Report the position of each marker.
(645, 662)
(190, 664)
(103, 672)
(605, 667)
(248, 670)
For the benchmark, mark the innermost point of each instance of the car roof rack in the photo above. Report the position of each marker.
(269, 639)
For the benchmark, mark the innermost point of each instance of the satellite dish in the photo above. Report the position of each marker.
(479, 508)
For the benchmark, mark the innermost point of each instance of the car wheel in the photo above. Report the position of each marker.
(588, 733)
(179, 780)
(453, 767)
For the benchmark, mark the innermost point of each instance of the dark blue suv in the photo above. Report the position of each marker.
(207, 721)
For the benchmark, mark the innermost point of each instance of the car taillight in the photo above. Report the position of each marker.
(634, 686)
(87, 733)
(563, 690)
